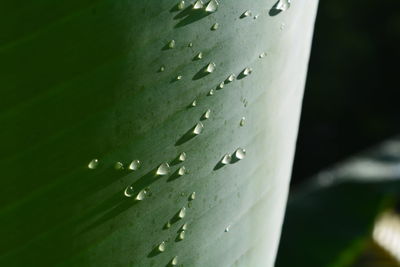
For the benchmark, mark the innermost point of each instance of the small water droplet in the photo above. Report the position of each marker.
(231, 78)
(129, 191)
(247, 71)
(184, 227)
(242, 121)
(182, 157)
(211, 92)
(194, 103)
(181, 235)
(171, 44)
(163, 169)
(240, 153)
(282, 26)
(162, 68)
(221, 85)
(226, 159)
(161, 247)
(182, 171)
(118, 166)
(263, 54)
(199, 56)
(167, 225)
(227, 228)
(192, 196)
(247, 13)
(198, 128)
(179, 77)
(212, 6)
(93, 164)
(210, 67)
(174, 261)
(181, 5)
(215, 26)
(207, 114)
(182, 213)
(141, 195)
(283, 5)
(198, 5)
(256, 16)
(135, 165)
(190, 44)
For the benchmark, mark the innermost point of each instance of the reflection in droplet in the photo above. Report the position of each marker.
(210, 67)
(207, 114)
(198, 128)
(211, 92)
(247, 13)
(118, 166)
(181, 5)
(174, 261)
(231, 78)
(161, 247)
(242, 121)
(240, 153)
(181, 235)
(135, 165)
(283, 5)
(214, 27)
(93, 164)
(182, 157)
(163, 169)
(212, 6)
(198, 5)
(171, 44)
(192, 196)
(226, 159)
(182, 213)
(129, 191)
(141, 195)
(182, 171)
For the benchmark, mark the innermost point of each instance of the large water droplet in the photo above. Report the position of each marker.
(231, 78)
(192, 196)
(199, 56)
(283, 5)
(226, 159)
(215, 26)
(240, 153)
(93, 164)
(181, 235)
(181, 5)
(174, 261)
(198, 5)
(182, 157)
(163, 169)
(242, 121)
(118, 166)
(161, 247)
(198, 128)
(129, 191)
(135, 165)
(141, 195)
(212, 6)
(207, 114)
(182, 213)
(182, 171)
(247, 71)
(247, 13)
(210, 67)
(171, 44)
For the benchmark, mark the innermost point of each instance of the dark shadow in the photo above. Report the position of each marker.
(184, 13)
(176, 218)
(274, 11)
(189, 16)
(201, 73)
(218, 166)
(186, 137)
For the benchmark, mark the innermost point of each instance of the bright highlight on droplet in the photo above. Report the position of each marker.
(192, 196)
(198, 128)
(247, 71)
(240, 153)
(182, 157)
(242, 121)
(212, 6)
(221, 85)
(181, 235)
(174, 261)
(215, 26)
(283, 5)
(184, 227)
(226, 159)
(163, 169)
(135, 165)
(227, 228)
(199, 56)
(231, 78)
(194, 103)
(190, 44)
(211, 92)
(179, 77)
(182, 213)
(198, 5)
(93, 164)
(161, 247)
(182, 171)
(129, 191)
(141, 195)
(162, 68)
(210, 67)
(207, 114)
(247, 13)
(171, 44)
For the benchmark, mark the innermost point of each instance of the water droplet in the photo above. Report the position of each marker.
(161, 247)
(207, 114)
(263, 54)
(135, 165)
(199, 56)
(182, 213)
(163, 169)
(198, 5)
(192, 196)
(181, 235)
(256, 16)
(179, 77)
(162, 68)
(118, 166)
(211, 92)
(198, 128)
(240, 153)
(93, 164)
(227, 228)
(182, 157)
(190, 44)
(181, 5)
(283, 5)
(174, 261)
(141, 195)
(226, 159)
(210, 67)
(231, 78)
(212, 6)
(129, 191)
(184, 227)
(242, 121)
(182, 171)
(282, 26)
(247, 13)
(194, 103)
(247, 71)
(221, 85)
(167, 225)
(171, 44)
(214, 27)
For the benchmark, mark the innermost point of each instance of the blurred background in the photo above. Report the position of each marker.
(351, 114)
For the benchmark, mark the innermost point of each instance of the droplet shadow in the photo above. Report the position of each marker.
(189, 15)
(201, 73)
(186, 137)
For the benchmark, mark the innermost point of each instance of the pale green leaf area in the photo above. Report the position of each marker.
(82, 81)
